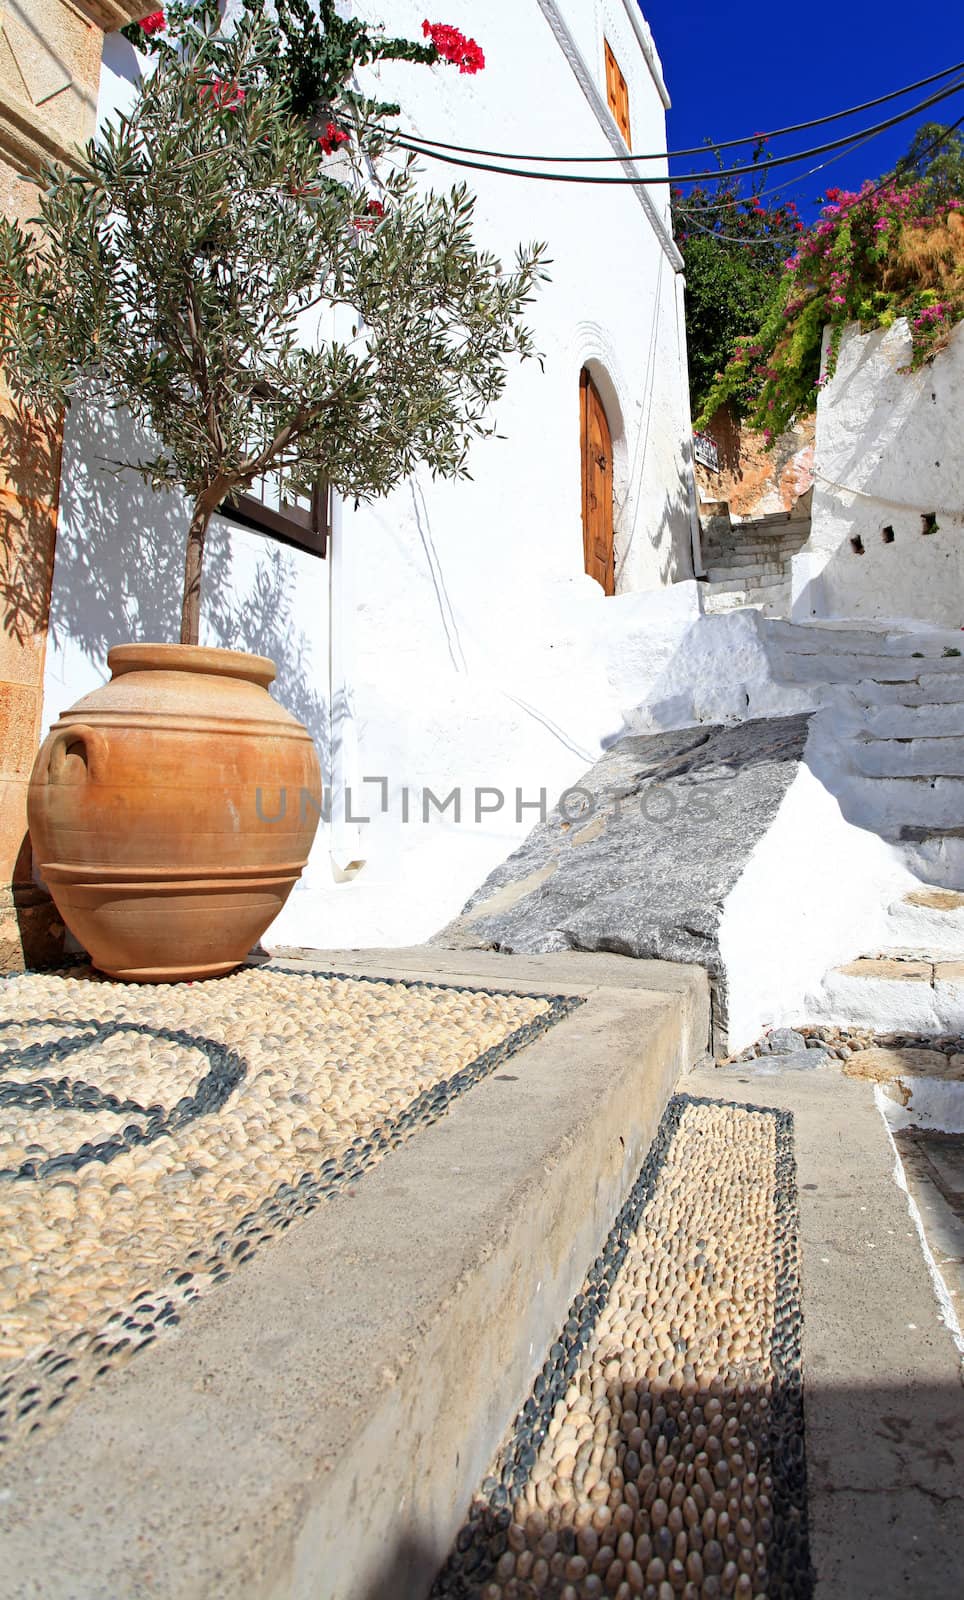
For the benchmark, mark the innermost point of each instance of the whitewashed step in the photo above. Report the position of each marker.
(845, 667)
(716, 605)
(816, 638)
(928, 690)
(936, 855)
(735, 541)
(940, 721)
(893, 996)
(909, 758)
(928, 918)
(776, 551)
(926, 803)
(723, 573)
(730, 584)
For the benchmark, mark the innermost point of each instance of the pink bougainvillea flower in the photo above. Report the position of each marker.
(155, 23)
(223, 95)
(453, 46)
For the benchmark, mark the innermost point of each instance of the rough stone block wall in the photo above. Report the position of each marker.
(50, 54)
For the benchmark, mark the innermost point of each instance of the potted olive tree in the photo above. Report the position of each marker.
(190, 275)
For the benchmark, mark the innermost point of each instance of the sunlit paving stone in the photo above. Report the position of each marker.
(151, 1137)
(661, 1450)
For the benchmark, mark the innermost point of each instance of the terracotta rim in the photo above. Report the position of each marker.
(192, 658)
(94, 873)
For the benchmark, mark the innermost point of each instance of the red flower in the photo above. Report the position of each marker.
(375, 211)
(454, 46)
(223, 95)
(332, 137)
(155, 23)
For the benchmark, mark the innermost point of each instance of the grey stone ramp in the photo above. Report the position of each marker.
(668, 823)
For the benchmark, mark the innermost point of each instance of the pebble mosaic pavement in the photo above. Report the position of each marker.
(661, 1451)
(152, 1137)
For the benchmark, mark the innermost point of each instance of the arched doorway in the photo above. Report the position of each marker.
(597, 486)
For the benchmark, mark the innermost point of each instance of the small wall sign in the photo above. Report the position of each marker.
(705, 451)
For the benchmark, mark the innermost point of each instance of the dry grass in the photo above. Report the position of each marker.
(929, 257)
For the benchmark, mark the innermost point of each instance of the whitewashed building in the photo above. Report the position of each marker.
(451, 639)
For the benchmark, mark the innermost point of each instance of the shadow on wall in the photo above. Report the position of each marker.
(29, 448)
(887, 537)
(120, 562)
(669, 537)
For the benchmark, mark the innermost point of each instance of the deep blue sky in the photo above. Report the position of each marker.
(733, 69)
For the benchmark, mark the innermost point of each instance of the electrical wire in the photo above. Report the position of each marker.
(686, 177)
(790, 183)
(696, 150)
(794, 238)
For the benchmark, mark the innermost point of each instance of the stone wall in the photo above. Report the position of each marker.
(49, 68)
(753, 480)
(887, 536)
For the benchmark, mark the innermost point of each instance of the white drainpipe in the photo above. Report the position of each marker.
(699, 571)
(346, 842)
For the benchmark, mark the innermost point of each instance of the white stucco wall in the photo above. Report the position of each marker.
(889, 449)
(452, 639)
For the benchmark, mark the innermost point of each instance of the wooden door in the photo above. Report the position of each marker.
(597, 487)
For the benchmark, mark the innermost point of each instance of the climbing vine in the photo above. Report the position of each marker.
(733, 243)
(873, 256)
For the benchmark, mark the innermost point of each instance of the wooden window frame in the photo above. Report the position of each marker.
(299, 528)
(617, 94)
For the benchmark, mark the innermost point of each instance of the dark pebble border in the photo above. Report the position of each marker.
(225, 1071)
(482, 1539)
(35, 1389)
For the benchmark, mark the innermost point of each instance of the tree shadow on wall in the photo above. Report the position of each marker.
(120, 564)
(31, 465)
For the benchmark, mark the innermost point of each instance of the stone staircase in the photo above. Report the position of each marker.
(748, 563)
(888, 738)
(888, 742)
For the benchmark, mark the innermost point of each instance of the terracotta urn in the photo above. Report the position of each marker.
(172, 811)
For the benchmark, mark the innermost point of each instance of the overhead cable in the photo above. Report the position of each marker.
(695, 150)
(794, 238)
(686, 177)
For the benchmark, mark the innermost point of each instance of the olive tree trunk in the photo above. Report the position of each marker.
(193, 564)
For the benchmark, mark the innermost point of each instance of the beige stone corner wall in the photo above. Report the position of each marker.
(50, 53)
(753, 480)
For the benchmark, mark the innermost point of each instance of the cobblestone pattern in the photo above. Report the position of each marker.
(151, 1138)
(841, 1043)
(661, 1450)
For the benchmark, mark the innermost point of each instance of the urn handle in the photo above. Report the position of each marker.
(83, 740)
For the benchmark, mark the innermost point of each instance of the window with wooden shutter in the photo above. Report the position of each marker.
(617, 94)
